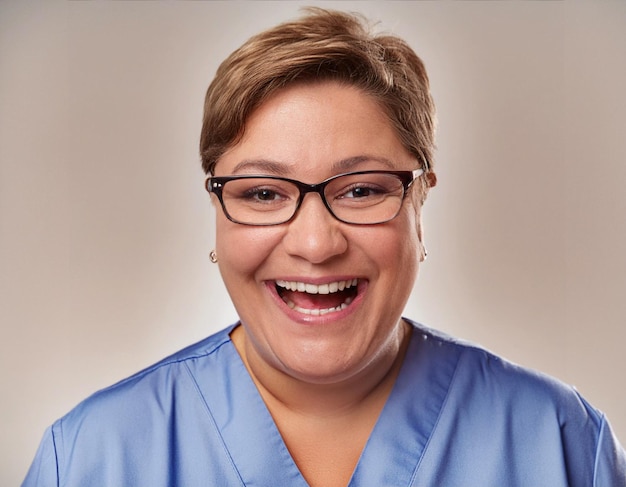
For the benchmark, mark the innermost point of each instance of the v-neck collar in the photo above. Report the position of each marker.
(396, 444)
(395, 448)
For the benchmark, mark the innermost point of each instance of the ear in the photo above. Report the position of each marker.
(431, 179)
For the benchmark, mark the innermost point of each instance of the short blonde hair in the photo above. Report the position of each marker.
(323, 45)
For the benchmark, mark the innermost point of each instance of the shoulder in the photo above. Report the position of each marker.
(129, 399)
(160, 410)
(490, 379)
(495, 409)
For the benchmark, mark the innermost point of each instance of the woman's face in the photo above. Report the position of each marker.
(311, 132)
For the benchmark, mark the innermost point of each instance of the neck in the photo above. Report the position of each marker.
(367, 388)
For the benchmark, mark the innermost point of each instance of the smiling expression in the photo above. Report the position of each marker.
(319, 300)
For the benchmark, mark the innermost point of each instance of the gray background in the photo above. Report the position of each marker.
(105, 227)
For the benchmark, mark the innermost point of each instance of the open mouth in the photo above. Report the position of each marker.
(314, 299)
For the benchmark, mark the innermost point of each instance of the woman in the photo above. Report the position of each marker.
(318, 138)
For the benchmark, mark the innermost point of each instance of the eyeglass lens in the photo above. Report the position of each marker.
(352, 198)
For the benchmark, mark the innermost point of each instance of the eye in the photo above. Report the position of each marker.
(361, 190)
(261, 194)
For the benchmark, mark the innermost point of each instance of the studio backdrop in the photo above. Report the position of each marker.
(105, 227)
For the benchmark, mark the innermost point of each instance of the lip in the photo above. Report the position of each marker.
(309, 319)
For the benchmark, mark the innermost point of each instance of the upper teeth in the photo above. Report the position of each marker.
(331, 287)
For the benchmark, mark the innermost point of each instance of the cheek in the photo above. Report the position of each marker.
(402, 247)
(392, 248)
(407, 233)
(242, 249)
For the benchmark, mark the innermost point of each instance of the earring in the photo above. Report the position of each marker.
(213, 256)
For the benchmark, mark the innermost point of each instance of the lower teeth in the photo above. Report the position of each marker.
(317, 311)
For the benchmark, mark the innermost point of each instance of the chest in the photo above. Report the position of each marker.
(326, 454)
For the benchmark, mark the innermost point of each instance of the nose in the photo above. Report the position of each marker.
(314, 234)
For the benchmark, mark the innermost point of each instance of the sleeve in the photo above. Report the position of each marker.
(610, 467)
(43, 471)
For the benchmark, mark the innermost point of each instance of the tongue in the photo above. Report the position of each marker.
(314, 301)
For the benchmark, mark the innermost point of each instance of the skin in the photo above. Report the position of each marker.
(321, 376)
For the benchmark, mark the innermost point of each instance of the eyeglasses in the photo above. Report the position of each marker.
(360, 198)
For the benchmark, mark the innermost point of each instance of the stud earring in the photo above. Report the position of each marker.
(213, 256)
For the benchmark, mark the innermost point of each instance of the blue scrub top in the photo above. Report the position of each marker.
(457, 416)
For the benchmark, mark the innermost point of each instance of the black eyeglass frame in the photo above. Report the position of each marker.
(215, 184)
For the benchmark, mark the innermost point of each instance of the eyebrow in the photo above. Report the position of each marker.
(267, 166)
(262, 166)
(345, 165)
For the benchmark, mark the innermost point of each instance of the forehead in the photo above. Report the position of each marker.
(314, 127)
